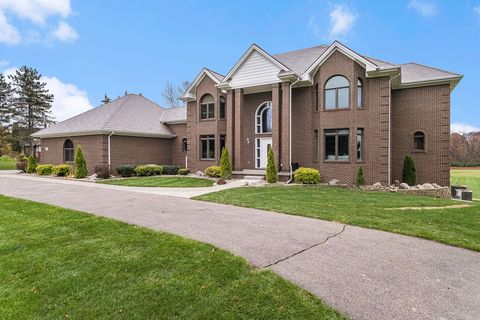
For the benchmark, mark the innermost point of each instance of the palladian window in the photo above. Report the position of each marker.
(264, 118)
(68, 151)
(207, 107)
(337, 91)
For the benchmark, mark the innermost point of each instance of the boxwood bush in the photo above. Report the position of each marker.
(213, 171)
(307, 176)
(44, 169)
(183, 172)
(62, 170)
(126, 170)
(102, 171)
(170, 170)
(149, 170)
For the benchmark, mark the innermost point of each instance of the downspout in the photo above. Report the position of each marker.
(290, 133)
(390, 129)
(109, 152)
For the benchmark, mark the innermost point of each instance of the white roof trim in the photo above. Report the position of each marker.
(337, 46)
(103, 132)
(188, 95)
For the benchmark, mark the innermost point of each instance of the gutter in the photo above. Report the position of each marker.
(109, 151)
(290, 133)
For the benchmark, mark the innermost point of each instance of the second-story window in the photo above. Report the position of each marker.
(359, 93)
(207, 107)
(337, 91)
(223, 106)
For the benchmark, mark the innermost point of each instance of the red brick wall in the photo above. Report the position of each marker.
(178, 156)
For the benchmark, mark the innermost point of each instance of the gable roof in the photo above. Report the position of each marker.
(174, 115)
(299, 60)
(131, 115)
(189, 94)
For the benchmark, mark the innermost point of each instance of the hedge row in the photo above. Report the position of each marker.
(149, 170)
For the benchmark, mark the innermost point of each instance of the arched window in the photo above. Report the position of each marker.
(337, 93)
(222, 107)
(359, 93)
(68, 151)
(264, 118)
(207, 107)
(419, 140)
(184, 145)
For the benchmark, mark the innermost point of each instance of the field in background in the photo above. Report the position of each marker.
(469, 177)
(7, 163)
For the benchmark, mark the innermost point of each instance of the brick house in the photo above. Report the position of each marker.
(325, 107)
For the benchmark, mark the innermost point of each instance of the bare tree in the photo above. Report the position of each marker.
(172, 94)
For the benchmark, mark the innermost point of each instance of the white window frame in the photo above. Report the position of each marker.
(259, 117)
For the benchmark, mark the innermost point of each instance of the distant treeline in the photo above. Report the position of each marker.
(465, 149)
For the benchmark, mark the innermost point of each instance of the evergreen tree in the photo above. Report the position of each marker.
(360, 177)
(32, 102)
(31, 164)
(271, 175)
(80, 164)
(409, 175)
(225, 165)
(5, 101)
(106, 99)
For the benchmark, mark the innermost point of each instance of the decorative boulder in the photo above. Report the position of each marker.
(333, 182)
(403, 186)
(436, 186)
(396, 183)
(428, 186)
(200, 173)
(377, 185)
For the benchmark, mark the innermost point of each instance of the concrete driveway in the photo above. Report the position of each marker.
(363, 273)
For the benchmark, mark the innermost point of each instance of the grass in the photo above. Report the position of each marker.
(458, 227)
(57, 264)
(163, 181)
(467, 177)
(7, 163)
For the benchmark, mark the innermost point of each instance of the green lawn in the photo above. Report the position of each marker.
(459, 227)
(7, 163)
(470, 178)
(163, 181)
(62, 264)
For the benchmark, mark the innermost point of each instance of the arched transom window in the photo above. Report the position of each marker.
(337, 91)
(264, 118)
(68, 151)
(207, 107)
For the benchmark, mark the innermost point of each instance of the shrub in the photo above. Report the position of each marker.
(307, 176)
(183, 172)
(21, 157)
(31, 164)
(102, 171)
(221, 181)
(126, 170)
(213, 172)
(44, 169)
(170, 170)
(225, 165)
(80, 164)
(409, 175)
(149, 170)
(62, 170)
(271, 175)
(360, 178)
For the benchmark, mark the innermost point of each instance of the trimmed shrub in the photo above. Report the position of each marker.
(409, 175)
(149, 170)
(213, 172)
(62, 170)
(183, 172)
(170, 170)
(80, 164)
(31, 164)
(271, 175)
(307, 175)
(102, 171)
(225, 165)
(126, 170)
(360, 178)
(44, 169)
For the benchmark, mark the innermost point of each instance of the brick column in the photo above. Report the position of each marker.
(285, 125)
(238, 129)
(276, 123)
(231, 124)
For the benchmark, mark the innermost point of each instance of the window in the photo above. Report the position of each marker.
(315, 147)
(68, 151)
(207, 107)
(359, 144)
(316, 96)
(336, 144)
(336, 93)
(223, 140)
(184, 145)
(419, 140)
(264, 118)
(222, 107)
(207, 145)
(359, 93)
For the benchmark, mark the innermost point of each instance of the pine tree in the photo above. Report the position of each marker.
(360, 178)
(80, 164)
(106, 99)
(409, 175)
(225, 165)
(5, 101)
(271, 175)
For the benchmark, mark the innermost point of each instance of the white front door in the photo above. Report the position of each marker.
(261, 150)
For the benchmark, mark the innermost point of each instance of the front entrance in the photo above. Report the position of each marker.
(261, 150)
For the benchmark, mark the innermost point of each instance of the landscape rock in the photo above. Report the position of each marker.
(396, 183)
(377, 185)
(428, 186)
(200, 173)
(333, 182)
(436, 186)
(404, 186)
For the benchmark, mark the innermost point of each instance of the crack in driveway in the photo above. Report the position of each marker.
(306, 249)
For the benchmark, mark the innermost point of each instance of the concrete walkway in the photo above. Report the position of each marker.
(364, 273)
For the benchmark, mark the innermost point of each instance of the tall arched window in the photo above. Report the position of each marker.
(419, 140)
(184, 145)
(264, 118)
(337, 93)
(359, 93)
(223, 106)
(68, 151)
(207, 107)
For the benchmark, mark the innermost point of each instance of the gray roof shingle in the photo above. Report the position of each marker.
(174, 115)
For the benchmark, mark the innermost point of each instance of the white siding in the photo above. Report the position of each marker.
(255, 70)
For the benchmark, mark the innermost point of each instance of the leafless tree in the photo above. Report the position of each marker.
(172, 94)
